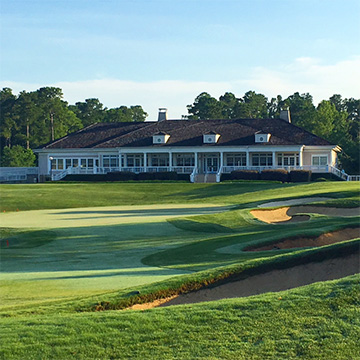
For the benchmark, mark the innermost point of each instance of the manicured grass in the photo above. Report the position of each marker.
(319, 321)
(122, 243)
(77, 195)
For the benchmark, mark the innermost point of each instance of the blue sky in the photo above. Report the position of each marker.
(163, 53)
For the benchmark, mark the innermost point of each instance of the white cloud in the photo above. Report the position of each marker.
(309, 75)
(302, 75)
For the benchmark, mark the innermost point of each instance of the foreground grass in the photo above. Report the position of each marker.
(319, 321)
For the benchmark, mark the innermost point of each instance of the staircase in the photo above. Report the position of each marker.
(205, 178)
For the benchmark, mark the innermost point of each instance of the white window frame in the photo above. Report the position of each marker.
(235, 159)
(319, 156)
(282, 158)
(185, 159)
(261, 155)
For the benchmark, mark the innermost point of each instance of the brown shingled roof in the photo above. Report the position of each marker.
(186, 133)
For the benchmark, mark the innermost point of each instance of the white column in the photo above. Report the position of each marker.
(274, 159)
(170, 160)
(247, 158)
(221, 159)
(196, 160)
(301, 156)
(120, 155)
(145, 161)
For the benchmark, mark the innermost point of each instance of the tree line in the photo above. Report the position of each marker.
(31, 119)
(336, 120)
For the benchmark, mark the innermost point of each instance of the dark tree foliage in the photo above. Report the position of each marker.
(38, 117)
(336, 120)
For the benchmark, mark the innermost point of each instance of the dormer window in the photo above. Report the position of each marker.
(211, 138)
(262, 137)
(160, 138)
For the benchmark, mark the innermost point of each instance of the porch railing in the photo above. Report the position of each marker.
(192, 171)
(9, 174)
(193, 174)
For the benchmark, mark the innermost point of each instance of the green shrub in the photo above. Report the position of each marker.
(183, 177)
(225, 177)
(274, 175)
(120, 176)
(300, 176)
(327, 176)
(85, 177)
(245, 175)
(165, 175)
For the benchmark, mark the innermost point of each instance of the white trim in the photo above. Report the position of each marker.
(319, 155)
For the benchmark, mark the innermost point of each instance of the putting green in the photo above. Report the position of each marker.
(101, 216)
(90, 250)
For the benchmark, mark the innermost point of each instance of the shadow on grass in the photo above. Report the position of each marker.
(145, 212)
(92, 248)
(130, 272)
(202, 254)
(27, 239)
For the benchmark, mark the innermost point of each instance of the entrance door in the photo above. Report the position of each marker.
(211, 164)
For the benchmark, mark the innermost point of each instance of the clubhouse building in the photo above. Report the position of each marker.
(203, 149)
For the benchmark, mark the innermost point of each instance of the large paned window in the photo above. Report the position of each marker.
(262, 159)
(159, 160)
(61, 164)
(288, 159)
(185, 160)
(236, 159)
(319, 160)
(135, 160)
(110, 161)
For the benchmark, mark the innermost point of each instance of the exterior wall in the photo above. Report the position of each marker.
(201, 154)
(43, 164)
(334, 158)
(310, 153)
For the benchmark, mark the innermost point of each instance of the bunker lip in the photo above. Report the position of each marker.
(286, 214)
(271, 281)
(316, 241)
(306, 200)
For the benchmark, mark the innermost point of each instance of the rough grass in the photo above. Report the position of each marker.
(319, 321)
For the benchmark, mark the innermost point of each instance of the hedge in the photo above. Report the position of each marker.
(327, 176)
(300, 176)
(274, 175)
(245, 175)
(128, 176)
(120, 176)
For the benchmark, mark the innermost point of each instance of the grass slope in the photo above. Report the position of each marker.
(61, 196)
(319, 321)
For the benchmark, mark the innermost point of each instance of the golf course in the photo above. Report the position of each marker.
(174, 270)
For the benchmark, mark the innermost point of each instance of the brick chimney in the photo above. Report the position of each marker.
(162, 114)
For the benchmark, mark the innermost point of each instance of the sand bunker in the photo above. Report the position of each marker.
(151, 305)
(324, 239)
(286, 214)
(276, 280)
(272, 281)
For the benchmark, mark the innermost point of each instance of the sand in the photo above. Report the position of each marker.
(153, 304)
(324, 239)
(286, 214)
(276, 280)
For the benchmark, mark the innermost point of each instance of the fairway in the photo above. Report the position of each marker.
(59, 263)
(91, 250)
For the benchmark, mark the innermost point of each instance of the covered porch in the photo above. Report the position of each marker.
(199, 161)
